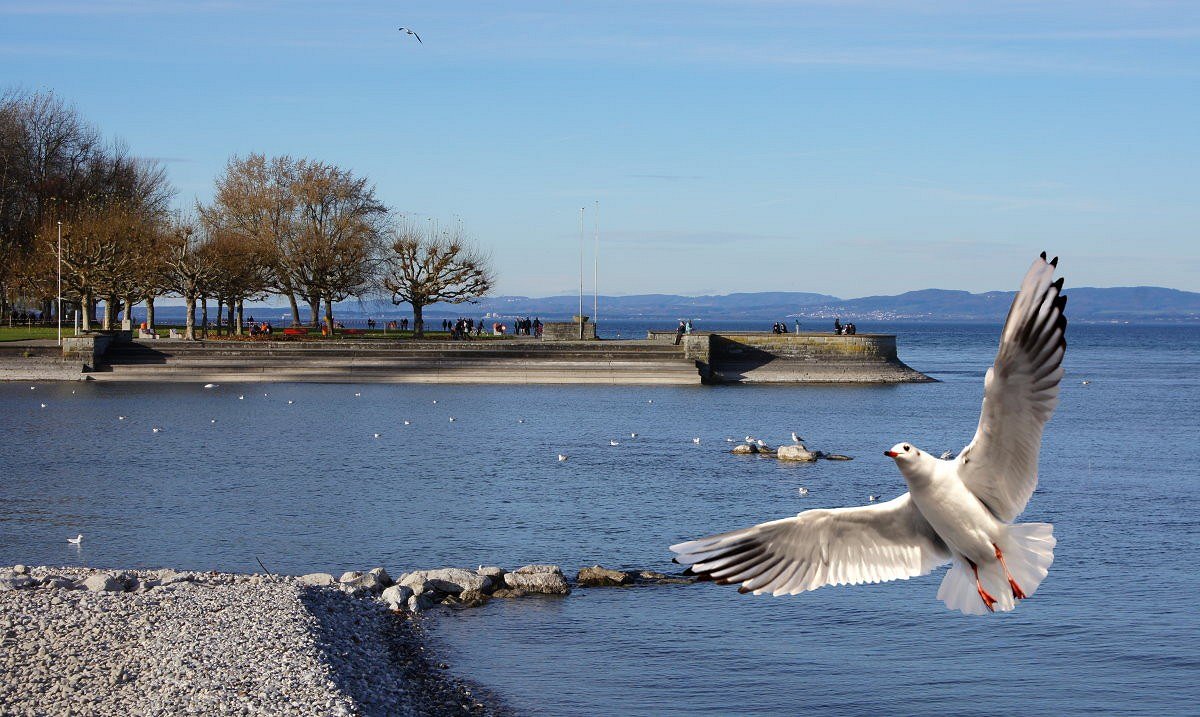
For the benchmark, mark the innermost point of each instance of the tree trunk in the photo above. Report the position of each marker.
(189, 325)
(329, 314)
(314, 306)
(230, 317)
(220, 314)
(295, 308)
(128, 313)
(149, 313)
(418, 321)
(110, 311)
(85, 309)
(240, 317)
(204, 316)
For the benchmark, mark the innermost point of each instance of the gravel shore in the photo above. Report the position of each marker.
(207, 643)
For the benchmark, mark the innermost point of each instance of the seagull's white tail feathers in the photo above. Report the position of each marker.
(1028, 553)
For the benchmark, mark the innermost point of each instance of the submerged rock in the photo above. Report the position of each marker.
(599, 576)
(836, 457)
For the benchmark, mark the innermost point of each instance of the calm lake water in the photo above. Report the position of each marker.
(304, 486)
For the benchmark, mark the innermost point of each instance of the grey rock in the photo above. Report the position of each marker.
(20, 569)
(171, 577)
(492, 572)
(103, 582)
(836, 457)
(471, 598)
(795, 453)
(362, 583)
(598, 576)
(349, 575)
(422, 602)
(16, 582)
(396, 597)
(650, 576)
(58, 582)
(540, 583)
(539, 569)
(743, 449)
(382, 576)
(314, 579)
(447, 580)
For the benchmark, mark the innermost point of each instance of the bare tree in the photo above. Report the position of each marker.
(340, 227)
(423, 268)
(190, 268)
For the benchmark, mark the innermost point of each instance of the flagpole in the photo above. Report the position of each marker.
(596, 270)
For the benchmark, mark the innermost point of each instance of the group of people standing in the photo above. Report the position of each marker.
(462, 328)
(781, 327)
(844, 329)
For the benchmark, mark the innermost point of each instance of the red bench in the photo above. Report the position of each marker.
(352, 332)
(295, 331)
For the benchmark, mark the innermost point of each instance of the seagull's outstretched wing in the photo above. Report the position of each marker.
(838, 546)
(1019, 395)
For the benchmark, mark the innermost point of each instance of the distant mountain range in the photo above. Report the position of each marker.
(1136, 303)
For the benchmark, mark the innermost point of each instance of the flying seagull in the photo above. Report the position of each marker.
(410, 32)
(957, 512)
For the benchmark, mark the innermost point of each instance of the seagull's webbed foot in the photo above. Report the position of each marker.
(1017, 592)
(988, 600)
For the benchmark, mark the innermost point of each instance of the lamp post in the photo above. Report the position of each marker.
(59, 309)
(580, 316)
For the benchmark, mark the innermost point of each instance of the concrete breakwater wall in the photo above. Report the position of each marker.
(750, 357)
(764, 357)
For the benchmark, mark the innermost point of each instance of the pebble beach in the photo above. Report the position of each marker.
(77, 641)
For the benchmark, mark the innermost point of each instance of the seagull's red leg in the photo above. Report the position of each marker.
(1017, 592)
(988, 600)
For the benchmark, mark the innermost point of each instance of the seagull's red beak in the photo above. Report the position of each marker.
(890, 454)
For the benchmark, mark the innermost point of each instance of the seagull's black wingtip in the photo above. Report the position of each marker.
(1054, 262)
(1043, 255)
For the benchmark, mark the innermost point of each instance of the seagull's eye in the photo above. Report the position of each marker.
(907, 447)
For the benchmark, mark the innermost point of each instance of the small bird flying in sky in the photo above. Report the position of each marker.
(410, 32)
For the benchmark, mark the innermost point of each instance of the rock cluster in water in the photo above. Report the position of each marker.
(794, 452)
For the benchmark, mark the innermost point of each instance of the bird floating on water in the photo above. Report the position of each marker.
(1087, 383)
(212, 420)
(155, 429)
(803, 491)
(120, 418)
(241, 398)
(695, 440)
(872, 498)
(633, 435)
(435, 400)
(76, 540)
(520, 420)
(614, 443)
(43, 405)
(290, 402)
(728, 439)
(210, 385)
(407, 422)
(946, 455)
(452, 419)
(561, 458)
(958, 512)
(375, 435)
(406, 31)
(357, 394)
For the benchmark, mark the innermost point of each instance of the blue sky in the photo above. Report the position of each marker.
(851, 148)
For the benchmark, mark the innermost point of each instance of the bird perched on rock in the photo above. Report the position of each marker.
(796, 438)
(959, 512)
